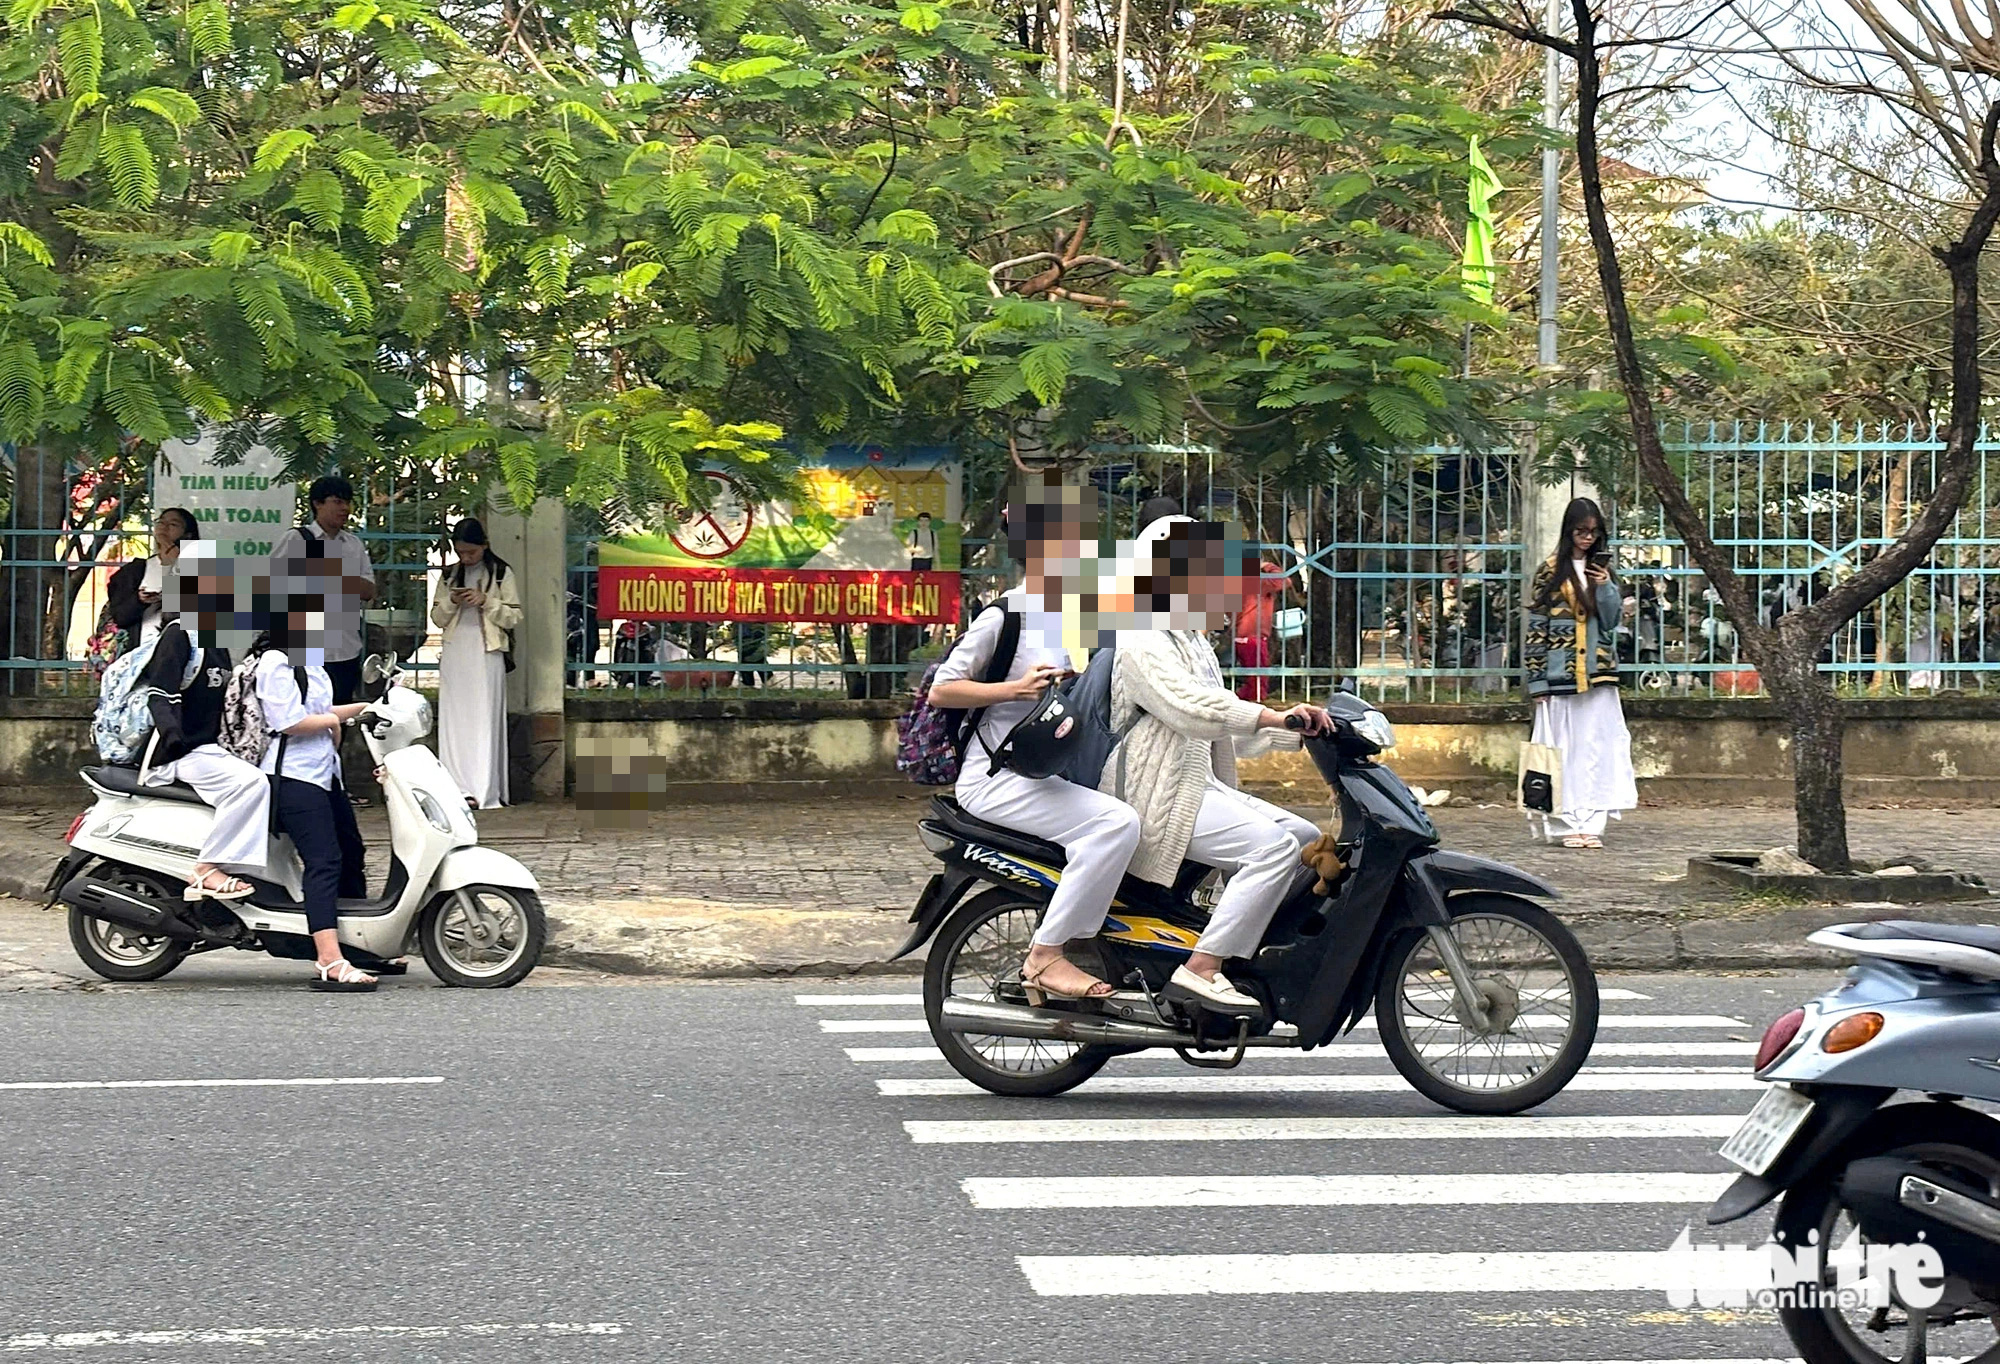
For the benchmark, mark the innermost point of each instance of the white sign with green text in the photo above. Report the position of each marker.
(244, 507)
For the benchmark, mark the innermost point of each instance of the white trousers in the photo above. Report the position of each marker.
(240, 837)
(1258, 844)
(1098, 833)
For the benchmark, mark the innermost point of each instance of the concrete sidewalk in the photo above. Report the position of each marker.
(825, 888)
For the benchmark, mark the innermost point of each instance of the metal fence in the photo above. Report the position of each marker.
(1410, 582)
(68, 528)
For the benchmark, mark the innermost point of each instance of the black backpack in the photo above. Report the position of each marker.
(1088, 696)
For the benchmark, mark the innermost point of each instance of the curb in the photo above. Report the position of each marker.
(700, 940)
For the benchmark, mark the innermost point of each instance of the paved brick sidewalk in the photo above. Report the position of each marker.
(862, 853)
(823, 888)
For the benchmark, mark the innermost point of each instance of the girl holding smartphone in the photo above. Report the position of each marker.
(1571, 656)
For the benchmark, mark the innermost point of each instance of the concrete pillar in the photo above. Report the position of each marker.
(535, 547)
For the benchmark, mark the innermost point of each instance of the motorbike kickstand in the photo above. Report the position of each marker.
(1231, 1062)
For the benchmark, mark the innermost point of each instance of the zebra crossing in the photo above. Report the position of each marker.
(1634, 1133)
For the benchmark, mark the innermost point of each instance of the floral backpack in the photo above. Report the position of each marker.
(107, 642)
(930, 740)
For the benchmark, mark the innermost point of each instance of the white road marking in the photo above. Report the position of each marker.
(1341, 1191)
(1548, 1271)
(1352, 1051)
(1657, 1079)
(1417, 1025)
(1049, 1131)
(822, 1001)
(277, 1335)
(227, 1084)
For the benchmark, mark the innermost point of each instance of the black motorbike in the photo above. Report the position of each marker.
(1485, 1000)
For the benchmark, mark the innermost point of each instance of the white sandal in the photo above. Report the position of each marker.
(232, 888)
(340, 976)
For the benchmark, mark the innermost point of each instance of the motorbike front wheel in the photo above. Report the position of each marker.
(1960, 1144)
(1535, 985)
(978, 955)
(120, 953)
(483, 937)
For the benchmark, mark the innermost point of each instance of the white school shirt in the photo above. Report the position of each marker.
(343, 613)
(308, 757)
(969, 657)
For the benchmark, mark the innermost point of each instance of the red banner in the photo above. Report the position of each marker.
(829, 596)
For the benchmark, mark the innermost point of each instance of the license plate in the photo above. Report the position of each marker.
(1768, 1130)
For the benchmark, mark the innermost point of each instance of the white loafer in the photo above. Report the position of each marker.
(1216, 992)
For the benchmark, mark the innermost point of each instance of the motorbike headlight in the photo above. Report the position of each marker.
(1376, 729)
(433, 812)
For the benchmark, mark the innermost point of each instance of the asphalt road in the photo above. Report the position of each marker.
(609, 1171)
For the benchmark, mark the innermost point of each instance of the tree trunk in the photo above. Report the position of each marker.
(1818, 728)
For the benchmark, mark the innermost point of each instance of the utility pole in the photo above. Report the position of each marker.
(1534, 511)
(1551, 172)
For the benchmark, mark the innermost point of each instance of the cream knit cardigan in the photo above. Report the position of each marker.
(1169, 679)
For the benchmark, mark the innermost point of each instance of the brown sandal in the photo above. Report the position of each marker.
(1038, 988)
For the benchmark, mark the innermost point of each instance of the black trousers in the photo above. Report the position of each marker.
(322, 827)
(346, 678)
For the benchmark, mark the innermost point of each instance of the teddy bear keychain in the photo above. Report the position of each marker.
(1323, 857)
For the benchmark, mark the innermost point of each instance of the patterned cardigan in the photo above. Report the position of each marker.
(1553, 664)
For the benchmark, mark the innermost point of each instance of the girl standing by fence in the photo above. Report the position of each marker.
(1574, 608)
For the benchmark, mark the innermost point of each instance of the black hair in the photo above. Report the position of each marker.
(470, 532)
(329, 485)
(1579, 510)
(923, 516)
(192, 527)
(1153, 508)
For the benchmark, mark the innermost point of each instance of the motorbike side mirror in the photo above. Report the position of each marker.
(376, 667)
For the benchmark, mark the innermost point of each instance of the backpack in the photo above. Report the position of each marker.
(930, 741)
(1088, 696)
(244, 731)
(124, 718)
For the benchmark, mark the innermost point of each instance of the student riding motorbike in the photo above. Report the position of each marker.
(1046, 532)
(474, 911)
(1176, 765)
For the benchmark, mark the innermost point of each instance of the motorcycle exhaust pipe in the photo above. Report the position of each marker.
(1015, 1020)
(1900, 1201)
(121, 907)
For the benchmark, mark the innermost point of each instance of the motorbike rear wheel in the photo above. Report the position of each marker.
(1959, 1142)
(1538, 989)
(978, 955)
(485, 946)
(116, 952)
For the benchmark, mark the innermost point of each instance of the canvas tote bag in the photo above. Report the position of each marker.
(1539, 786)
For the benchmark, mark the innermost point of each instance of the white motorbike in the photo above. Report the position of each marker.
(475, 913)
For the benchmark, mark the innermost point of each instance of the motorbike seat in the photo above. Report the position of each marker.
(949, 813)
(125, 782)
(1969, 949)
(1985, 937)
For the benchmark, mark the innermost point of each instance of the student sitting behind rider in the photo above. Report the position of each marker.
(1177, 765)
(187, 724)
(1046, 531)
(296, 696)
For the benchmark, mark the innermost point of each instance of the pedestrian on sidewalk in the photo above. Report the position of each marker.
(1574, 607)
(137, 593)
(477, 604)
